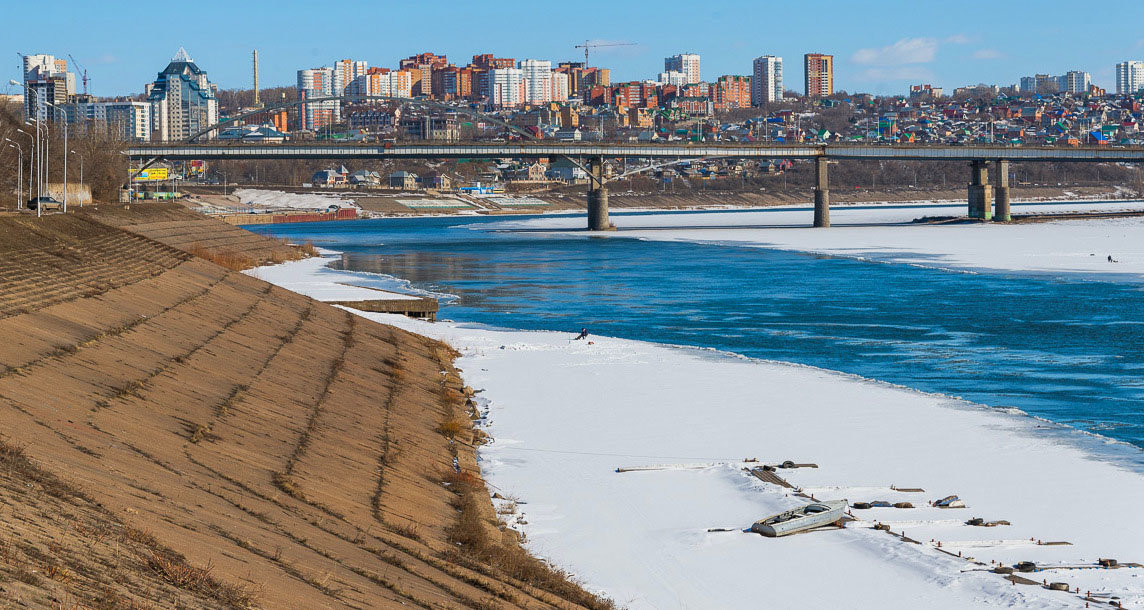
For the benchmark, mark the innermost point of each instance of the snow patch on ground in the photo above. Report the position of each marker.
(279, 200)
(312, 277)
(566, 414)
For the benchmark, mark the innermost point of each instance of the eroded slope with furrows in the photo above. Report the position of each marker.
(289, 447)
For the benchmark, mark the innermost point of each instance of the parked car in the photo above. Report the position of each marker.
(47, 203)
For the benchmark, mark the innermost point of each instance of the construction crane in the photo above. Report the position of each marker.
(76, 64)
(588, 44)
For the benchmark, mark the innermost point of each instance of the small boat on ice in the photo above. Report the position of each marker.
(800, 519)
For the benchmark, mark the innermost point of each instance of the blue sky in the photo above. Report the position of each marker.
(880, 47)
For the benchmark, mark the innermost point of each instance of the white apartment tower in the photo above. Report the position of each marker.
(673, 77)
(1076, 81)
(345, 71)
(767, 80)
(506, 87)
(1129, 77)
(687, 63)
(537, 75)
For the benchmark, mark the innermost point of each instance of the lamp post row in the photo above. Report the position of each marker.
(39, 161)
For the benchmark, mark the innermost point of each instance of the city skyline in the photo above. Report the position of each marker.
(948, 53)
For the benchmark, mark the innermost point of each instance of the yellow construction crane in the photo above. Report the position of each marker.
(588, 44)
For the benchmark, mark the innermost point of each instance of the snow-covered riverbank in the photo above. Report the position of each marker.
(884, 233)
(565, 414)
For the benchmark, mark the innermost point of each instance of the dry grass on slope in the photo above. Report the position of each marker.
(64, 550)
(281, 445)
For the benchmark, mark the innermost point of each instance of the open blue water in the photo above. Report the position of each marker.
(1062, 348)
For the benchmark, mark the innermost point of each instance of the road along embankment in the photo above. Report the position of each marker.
(177, 433)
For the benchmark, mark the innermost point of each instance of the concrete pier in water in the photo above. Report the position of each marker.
(821, 193)
(1001, 192)
(980, 191)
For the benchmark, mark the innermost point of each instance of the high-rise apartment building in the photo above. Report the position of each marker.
(1076, 82)
(537, 76)
(314, 83)
(383, 82)
(506, 87)
(421, 68)
(47, 81)
(767, 80)
(673, 78)
(732, 92)
(687, 63)
(1129, 77)
(819, 74)
(345, 71)
(182, 100)
(559, 87)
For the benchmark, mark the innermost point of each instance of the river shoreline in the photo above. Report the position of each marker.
(518, 370)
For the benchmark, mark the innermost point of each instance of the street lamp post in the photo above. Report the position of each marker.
(37, 155)
(56, 109)
(80, 174)
(20, 171)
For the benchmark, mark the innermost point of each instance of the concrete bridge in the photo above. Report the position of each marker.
(982, 193)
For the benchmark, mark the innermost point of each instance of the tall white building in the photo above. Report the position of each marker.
(1129, 77)
(182, 100)
(767, 80)
(673, 77)
(316, 83)
(1075, 81)
(506, 87)
(687, 63)
(345, 71)
(537, 75)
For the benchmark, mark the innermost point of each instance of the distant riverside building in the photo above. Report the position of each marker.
(182, 100)
(506, 87)
(925, 92)
(421, 68)
(673, 78)
(559, 87)
(1129, 77)
(383, 82)
(126, 120)
(313, 84)
(537, 75)
(47, 81)
(345, 71)
(819, 74)
(687, 63)
(767, 80)
(732, 91)
(1076, 81)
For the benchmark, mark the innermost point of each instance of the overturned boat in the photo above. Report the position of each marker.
(801, 519)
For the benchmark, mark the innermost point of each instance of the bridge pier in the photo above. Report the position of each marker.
(597, 197)
(1001, 192)
(821, 193)
(980, 191)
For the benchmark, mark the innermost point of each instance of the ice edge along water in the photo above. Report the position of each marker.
(563, 413)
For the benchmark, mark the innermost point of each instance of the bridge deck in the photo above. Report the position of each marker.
(674, 150)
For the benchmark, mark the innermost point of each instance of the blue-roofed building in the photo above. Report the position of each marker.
(182, 100)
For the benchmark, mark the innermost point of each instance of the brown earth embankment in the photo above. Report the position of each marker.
(182, 435)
